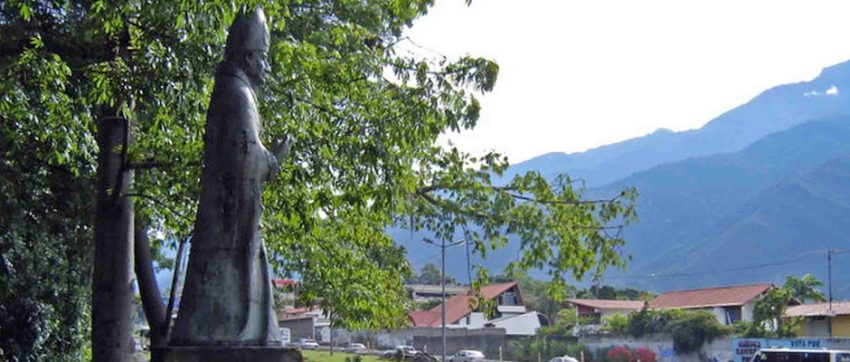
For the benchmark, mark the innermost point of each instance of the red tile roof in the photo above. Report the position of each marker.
(457, 306)
(818, 309)
(710, 297)
(609, 304)
(284, 282)
(424, 317)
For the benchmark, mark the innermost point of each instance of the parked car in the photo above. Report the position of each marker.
(467, 355)
(563, 359)
(405, 351)
(354, 348)
(794, 355)
(308, 343)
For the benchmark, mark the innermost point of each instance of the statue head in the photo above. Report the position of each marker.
(248, 44)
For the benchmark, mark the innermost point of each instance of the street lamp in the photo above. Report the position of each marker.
(443, 247)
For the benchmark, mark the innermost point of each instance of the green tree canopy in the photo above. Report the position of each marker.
(805, 288)
(363, 115)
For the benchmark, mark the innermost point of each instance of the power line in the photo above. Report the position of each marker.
(797, 259)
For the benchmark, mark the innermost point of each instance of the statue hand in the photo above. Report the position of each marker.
(280, 149)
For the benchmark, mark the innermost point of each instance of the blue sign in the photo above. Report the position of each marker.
(744, 348)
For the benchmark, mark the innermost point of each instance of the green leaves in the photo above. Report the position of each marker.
(364, 119)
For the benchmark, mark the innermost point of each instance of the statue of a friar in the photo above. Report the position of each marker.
(227, 298)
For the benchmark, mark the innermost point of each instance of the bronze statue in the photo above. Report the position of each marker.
(227, 298)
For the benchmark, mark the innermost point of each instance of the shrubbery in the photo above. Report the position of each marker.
(625, 354)
(690, 329)
(694, 329)
(527, 349)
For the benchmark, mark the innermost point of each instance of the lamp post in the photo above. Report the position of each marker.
(443, 247)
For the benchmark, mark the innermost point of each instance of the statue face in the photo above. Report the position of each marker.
(257, 65)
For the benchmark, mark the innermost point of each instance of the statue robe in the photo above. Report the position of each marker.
(227, 297)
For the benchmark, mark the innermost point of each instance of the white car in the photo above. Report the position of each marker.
(307, 343)
(563, 359)
(467, 355)
(354, 348)
(406, 352)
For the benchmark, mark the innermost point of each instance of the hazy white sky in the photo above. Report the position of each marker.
(580, 74)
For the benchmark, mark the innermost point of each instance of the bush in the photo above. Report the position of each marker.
(624, 354)
(645, 355)
(694, 329)
(617, 324)
(651, 321)
(527, 349)
(620, 354)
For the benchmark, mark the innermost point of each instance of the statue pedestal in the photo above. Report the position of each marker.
(226, 354)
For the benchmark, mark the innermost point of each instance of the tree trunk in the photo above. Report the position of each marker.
(148, 288)
(112, 294)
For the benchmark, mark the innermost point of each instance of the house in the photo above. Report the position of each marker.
(817, 318)
(729, 304)
(303, 322)
(598, 309)
(510, 312)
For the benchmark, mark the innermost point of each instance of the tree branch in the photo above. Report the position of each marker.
(507, 190)
(158, 202)
(151, 164)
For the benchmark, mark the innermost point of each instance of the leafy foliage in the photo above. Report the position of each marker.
(609, 292)
(45, 254)
(364, 118)
(769, 319)
(648, 321)
(616, 324)
(624, 354)
(689, 329)
(527, 349)
(694, 329)
(769, 314)
(430, 274)
(805, 288)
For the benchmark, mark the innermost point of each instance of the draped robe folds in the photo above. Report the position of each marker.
(227, 297)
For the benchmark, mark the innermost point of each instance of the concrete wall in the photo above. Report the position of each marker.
(716, 351)
(488, 340)
(384, 339)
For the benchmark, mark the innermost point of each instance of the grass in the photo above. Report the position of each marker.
(322, 356)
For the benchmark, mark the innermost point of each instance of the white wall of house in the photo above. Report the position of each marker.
(473, 320)
(747, 311)
(511, 309)
(521, 325)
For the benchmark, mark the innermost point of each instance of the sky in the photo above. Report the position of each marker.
(580, 74)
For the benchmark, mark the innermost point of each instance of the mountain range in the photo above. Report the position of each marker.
(755, 195)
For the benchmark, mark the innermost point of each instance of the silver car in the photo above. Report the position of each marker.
(467, 355)
(354, 348)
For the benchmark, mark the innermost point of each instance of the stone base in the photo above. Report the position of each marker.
(226, 354)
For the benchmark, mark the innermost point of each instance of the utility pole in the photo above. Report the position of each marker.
(829, 284)
(829, 275)
(443, 247)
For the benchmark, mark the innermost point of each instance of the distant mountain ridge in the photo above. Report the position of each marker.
(762, 183)
(771, 111)
(688, 208)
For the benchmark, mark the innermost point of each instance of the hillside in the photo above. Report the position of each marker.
(780, 231)
(683, 200)
(771, 111)
(746, 189)
(721, 210)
